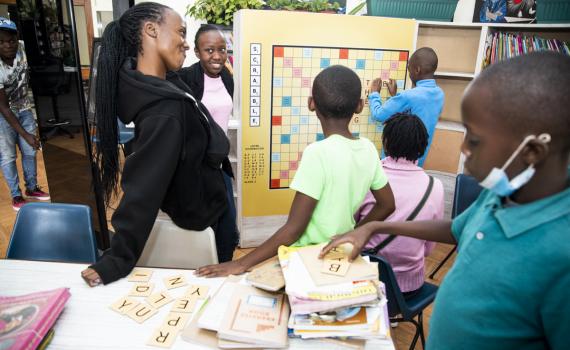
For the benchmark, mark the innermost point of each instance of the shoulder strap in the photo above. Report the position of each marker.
(410, 217)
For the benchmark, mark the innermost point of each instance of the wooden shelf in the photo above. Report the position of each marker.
(464, 75)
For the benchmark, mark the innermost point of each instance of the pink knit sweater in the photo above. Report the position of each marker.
(406, 255)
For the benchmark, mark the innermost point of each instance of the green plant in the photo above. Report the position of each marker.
(306, 5)
(220, 11)
(321, 5)
(289, 5)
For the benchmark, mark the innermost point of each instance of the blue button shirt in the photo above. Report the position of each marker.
(425, 101)
(510, 285)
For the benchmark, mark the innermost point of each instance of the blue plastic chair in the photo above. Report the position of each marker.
(467, 190)
(53, 232)
(400, 309)
(126, 135)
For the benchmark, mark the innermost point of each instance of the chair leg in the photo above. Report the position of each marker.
(421, 329)
(416, 336)
(432, 274)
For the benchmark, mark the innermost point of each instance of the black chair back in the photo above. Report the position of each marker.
(467, 190)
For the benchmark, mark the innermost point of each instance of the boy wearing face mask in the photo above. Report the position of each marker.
(508, 288)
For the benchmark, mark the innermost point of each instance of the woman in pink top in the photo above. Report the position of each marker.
(405, 139)
(212, 83)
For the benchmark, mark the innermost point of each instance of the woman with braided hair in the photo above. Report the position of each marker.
(178, 148)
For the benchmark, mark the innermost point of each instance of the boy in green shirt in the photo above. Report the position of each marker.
(334, 176)
(508, 288)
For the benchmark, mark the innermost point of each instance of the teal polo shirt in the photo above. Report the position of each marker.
(510, 285)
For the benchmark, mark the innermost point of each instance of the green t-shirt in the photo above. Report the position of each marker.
(337, 172)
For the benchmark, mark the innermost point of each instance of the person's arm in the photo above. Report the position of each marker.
(436, 230)
(383, 207)
(7, 113)
(299, 216)
(381, 112)
(146, 176)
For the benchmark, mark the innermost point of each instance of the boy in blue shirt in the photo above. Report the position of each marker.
(425, 99)
(508, 288)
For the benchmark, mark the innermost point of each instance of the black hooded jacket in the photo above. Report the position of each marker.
(193, 76)
(175, 166)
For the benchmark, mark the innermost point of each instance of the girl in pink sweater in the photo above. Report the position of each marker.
(405, 139)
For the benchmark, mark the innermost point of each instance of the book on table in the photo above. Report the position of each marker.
(256, 317)
(25, 320)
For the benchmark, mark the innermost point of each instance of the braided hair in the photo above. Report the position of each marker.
(404, 136)
(121, 39)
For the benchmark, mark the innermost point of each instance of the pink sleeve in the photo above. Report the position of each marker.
(365, 207)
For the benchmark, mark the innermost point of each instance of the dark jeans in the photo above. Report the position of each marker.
(226, 230)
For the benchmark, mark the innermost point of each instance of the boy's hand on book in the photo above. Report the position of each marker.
(357, 238)
(221, 270)
(376, 85)
(91, 277)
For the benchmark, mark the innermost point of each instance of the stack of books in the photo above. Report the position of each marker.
(241, 316)
(26, 321)
(504, 45)
(325, 304)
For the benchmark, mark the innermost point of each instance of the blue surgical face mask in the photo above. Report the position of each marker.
(498, 182)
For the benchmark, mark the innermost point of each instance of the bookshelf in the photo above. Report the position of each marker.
(461, 49)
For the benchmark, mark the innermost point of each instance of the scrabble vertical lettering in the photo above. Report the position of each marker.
(255, 87)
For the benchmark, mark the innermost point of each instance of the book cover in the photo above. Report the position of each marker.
(359, 269)
(311, 322)
(267, 276)
(25, 320)
(256, 317)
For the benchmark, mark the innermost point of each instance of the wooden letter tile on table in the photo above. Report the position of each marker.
(335, 253)
(337, 267)
(163, 337)
(142, 312)
(176, 320)
(141, 290)
(201, 292)
(175, 282)
(159, 299)
(124, 305)
(184, 305)
(140, 275)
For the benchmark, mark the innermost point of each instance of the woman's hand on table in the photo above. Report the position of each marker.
(91, 277)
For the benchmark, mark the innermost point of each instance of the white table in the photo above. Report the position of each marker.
(87, 322)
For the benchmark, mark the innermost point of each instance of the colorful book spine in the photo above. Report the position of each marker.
(504, 45)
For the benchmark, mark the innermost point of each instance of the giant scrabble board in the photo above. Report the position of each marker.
(293, 126)
(277, 60)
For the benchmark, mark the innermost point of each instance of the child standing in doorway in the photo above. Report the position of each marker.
(17, 124)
